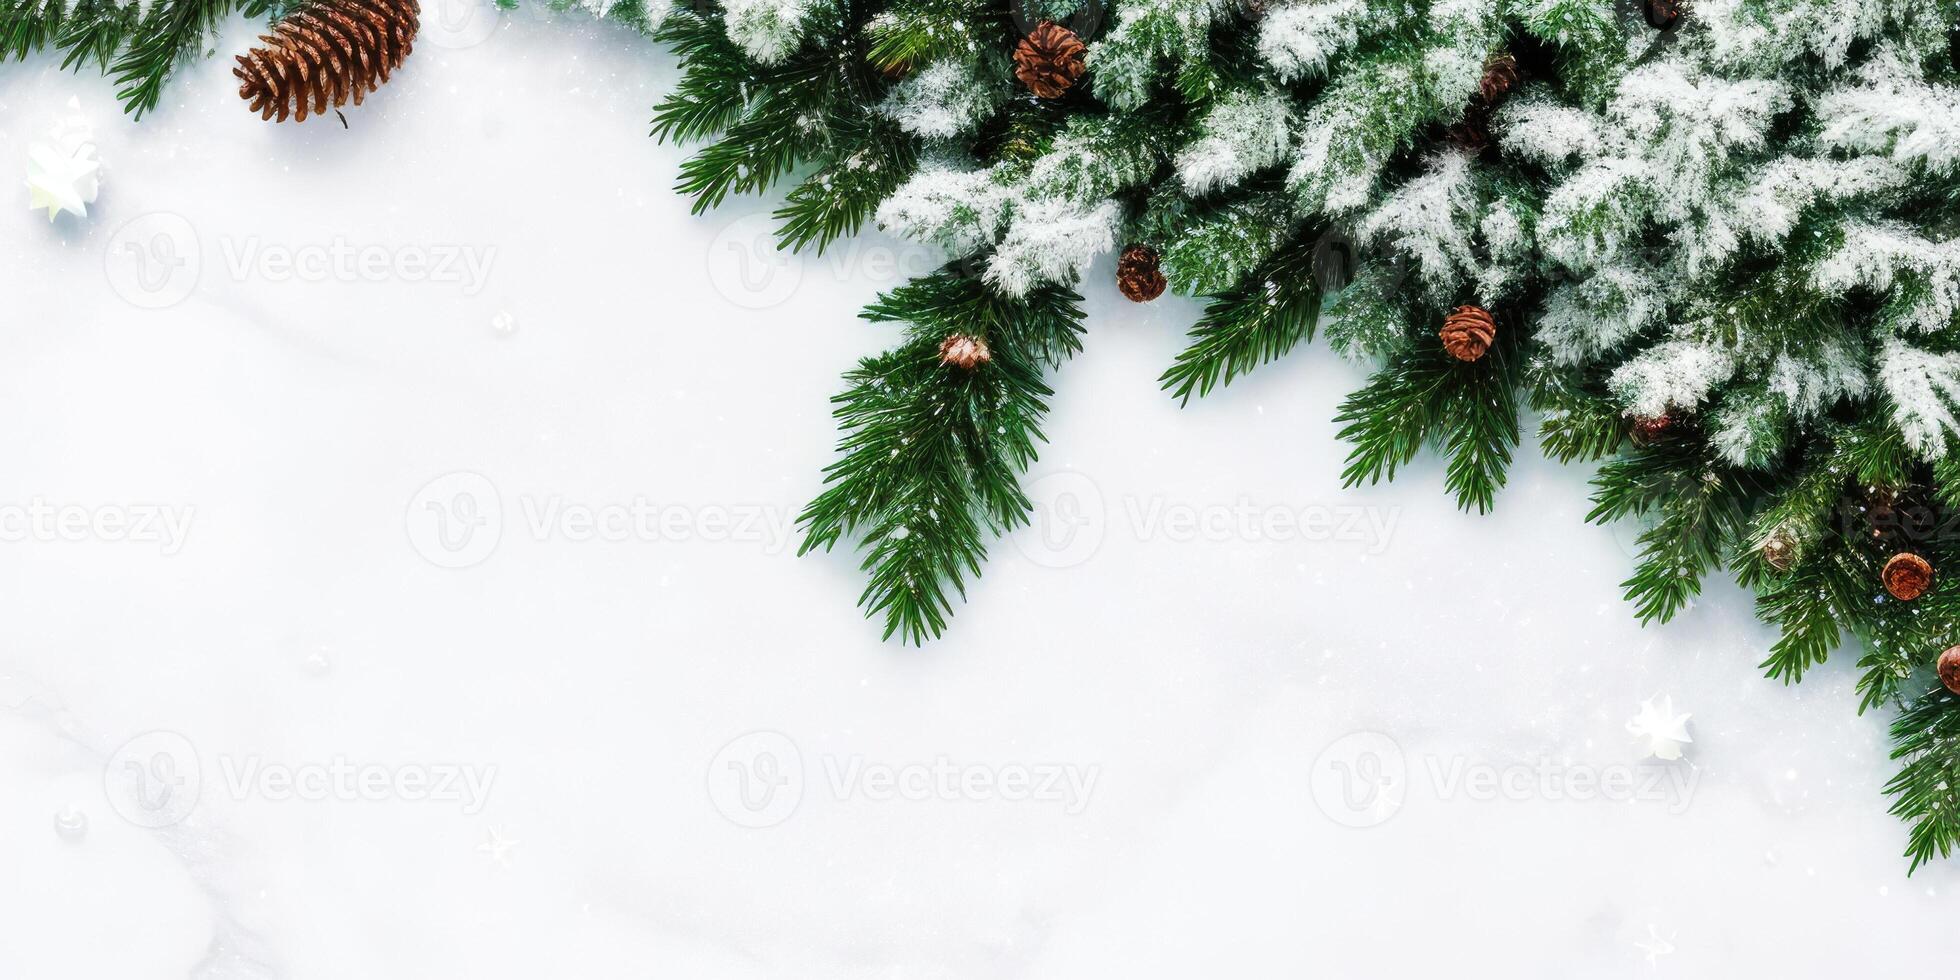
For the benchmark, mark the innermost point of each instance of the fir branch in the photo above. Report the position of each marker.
(931, 454)
(1701, 508)
(171, 33)
(1258, 321)
(1580, 423)
(715, 75)
(1424, 396)
(1927, 788)
(869, 163)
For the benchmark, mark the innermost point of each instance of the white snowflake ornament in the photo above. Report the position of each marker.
(62, 172)
(1661, 732)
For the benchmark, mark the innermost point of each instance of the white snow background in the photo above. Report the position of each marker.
(1168, 646)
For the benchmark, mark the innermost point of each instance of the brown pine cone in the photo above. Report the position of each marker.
(1648, 430)
(1949, 668)
(1471, 134)
(1907, 576)
(1780, 551)
(964, 352)
(1661, 14)
(1468, 331)
(1137, 274)
(1049, 60)
(325, 52)
(1501, 75)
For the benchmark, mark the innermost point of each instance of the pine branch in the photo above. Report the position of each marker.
(173, 32)
(1927, 787)
(1424, 396)
(1701, 508)
(872, 158)
(932, 454)
(1259, 320)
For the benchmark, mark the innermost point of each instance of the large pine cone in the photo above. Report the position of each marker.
(1138, 276)
(1468, 331)
(1049, 60)
(325, 52)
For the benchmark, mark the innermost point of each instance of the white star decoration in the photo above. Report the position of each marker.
(498, 847)
(1661, 732)
(63, 173)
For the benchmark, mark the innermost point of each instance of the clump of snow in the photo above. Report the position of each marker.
(1244, 133)
(1051, 241)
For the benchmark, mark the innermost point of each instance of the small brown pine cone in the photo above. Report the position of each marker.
(964, 352)
(1468, 331)
(324, 53)
(1650, 429)
(1780, 551)
(1501, 75)
(1950, 669)
(1472, 133)
(1137, 274)
(1049, 60)
(1661, 14)
(1907, 576)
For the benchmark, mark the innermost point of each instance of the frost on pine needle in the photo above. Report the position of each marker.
(1244, 133)
(1673, 375)
(948, 97)
(1543, 131)
(1357, 124)
(1126, 63)
(1597, 213)
(1298, 39)
(962, 212)
(1818, 376)
(1585, 319)
(1778, 195)
(768, 30)
(1430, 219)
(1886, 256)
(1690, 129)
(1748, 429)
(1921, 387)
(1094, 158)
(1893, 112)
(1051, 241)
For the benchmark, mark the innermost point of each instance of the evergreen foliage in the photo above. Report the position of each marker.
(1723, 259)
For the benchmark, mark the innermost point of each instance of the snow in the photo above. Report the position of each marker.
(945, 98)
(1171, 624)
